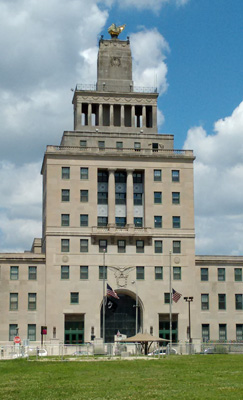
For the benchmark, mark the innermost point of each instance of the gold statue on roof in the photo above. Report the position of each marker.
(115, 31)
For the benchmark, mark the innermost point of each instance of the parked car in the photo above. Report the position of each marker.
(163, 352)
(210, 350)
(33, 352)
(80, 353)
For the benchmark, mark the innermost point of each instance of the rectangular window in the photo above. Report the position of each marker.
(137, 177)
(205, 301)
(65, 245)
(121, 222)
(175, 174)
(238, 274)
(65, 272)
(158, 246)
(139, 246)
(239, 332)
(102, 221)
(119, 145)
(157, 175)
(167, 298)
(176, 246)
(138, 222)
(32, 301)
(137, 146)
(102, 272)
(157, 197)
(175, 197)
(13, 301)
(120, 198)
(74, 297)
(221, 274)
(222, 332)
(84, 196)
(65, 195)
(84, 245)
(14, 273)
(120, 177)
(204, 274)
(139, 273)
(32, 273)
(65, 219)
(137, 199)
(65, 172)
(83, 143)
(222, 301)
(158, 272)
(102, 246)
(31, 332)
(239, 301)
(176, 222)
(102, 175)
(84, 220)
(205, 332)
(102, 198)
(177, 273)
(84, 272)
(13, 331)
(121, 246)
(84, 173)
(158, 221)
(101, 144)
(155, 146)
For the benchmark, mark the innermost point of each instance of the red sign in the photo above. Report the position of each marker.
(17, 339)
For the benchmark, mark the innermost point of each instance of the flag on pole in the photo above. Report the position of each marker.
(175, 296)
(111, 292)
(111, 304)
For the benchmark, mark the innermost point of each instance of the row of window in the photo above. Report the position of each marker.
(221, 301)
(119, 145)
(31, 331)
(120, 221)
(84, 174)
(120, 198)
(221, 274)
(222, 332)
(14, 301)
(121, 246)
(14, 273)
(140, 272)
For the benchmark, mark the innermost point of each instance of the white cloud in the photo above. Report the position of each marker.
(151, 4)
(152, 69)
(20, 212)
(219, 184)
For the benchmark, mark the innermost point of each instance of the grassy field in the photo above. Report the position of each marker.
(175, 377)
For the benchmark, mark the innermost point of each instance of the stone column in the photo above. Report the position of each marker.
(154, 117)
(133, 116)
(100, 123)
(122, 115)
(111, 197)
(89, 114)
(111, 115)
(78, 116)
(144, 117)
(130, 215)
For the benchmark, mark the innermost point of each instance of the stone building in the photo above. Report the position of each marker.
(118, 208)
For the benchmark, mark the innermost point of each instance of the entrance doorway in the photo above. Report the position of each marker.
(74, 329)
(121, 317)
(164, 327)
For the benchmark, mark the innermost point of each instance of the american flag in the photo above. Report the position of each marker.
(111, 292)
(176, 296)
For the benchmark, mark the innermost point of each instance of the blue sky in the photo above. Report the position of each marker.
(193, 47)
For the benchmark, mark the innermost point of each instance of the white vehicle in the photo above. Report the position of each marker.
(163, 352)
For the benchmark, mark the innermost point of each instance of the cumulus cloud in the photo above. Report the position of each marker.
(219, 184)
(151, 4)
(152, 69)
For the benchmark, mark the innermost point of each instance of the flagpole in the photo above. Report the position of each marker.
(170, 303)
(104, 296)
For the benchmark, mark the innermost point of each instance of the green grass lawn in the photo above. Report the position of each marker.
(174, 377)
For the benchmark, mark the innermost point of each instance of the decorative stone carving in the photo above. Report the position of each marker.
(121, 275)
(115, 61)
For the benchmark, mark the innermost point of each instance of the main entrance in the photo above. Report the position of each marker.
(74, 329)
(121, 316)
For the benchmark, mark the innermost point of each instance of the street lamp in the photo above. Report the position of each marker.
(135, 283)
(189, 300)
